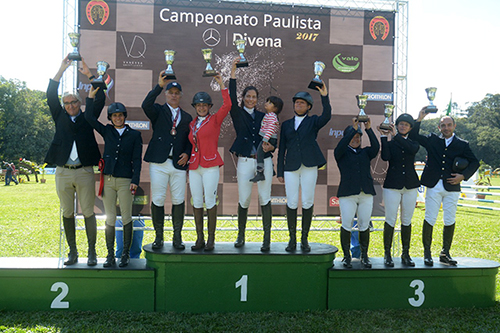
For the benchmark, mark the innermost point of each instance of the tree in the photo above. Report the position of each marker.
(484, 125)
(26, 127)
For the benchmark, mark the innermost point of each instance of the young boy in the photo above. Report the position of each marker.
(269, 132)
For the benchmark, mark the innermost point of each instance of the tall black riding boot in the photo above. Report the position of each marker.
(267, 220)
(198, 222)
(177, 223)
(127, 243)
(91, 229)
(158, 218)
(211, 226)
(445, 256)
(110, 245)
(291, 219)
(69, 231)
(242, 224)
(427, 242)
(345, 242)
(388, 235)
(307, 215)
(405, 241)
(364, 242)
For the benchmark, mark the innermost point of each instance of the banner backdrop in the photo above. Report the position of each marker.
(282, 43)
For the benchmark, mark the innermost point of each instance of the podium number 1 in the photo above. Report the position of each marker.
(243, 282)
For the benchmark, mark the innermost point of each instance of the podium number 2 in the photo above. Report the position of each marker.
(419, 298)
(243, 282)
(57, 303)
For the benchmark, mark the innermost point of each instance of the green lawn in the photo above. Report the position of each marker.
(29, 226)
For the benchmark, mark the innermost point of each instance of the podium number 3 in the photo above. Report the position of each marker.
(243, 282)
(57, 303)
(419, 298)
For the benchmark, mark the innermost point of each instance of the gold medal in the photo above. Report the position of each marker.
(173, 132)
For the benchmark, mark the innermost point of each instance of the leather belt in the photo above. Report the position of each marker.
(251, 156)
(73, 166)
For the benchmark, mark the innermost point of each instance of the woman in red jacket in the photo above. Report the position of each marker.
(205, 162)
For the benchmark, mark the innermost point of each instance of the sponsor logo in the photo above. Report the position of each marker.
(379, 97)
(379, 27)
(136, 49)
(278, 200)
(258, 41)
(339, 63)
(142, 200)
(333, 202)
(108, 81)
(97, 10)
(138, 125)
(211, 37)
(336, 133)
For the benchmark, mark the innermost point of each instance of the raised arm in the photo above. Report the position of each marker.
(92, 112)
(148, 105)
(52, 95)
(326, 115)
(226, 105)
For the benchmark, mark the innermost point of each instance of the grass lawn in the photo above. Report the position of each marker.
(29, 227)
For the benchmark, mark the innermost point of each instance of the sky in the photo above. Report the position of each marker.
(452, 45)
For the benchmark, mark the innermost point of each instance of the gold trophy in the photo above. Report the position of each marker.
(362, 100)
(102, 67)
(169, 59)
(240, 46)
(74, 38)
(388, 110)
(319, 67)
(431, 94)
(207, 55)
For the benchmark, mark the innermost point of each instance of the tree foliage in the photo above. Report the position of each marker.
(26, 127)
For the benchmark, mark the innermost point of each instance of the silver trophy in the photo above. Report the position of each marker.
(207, 55)
(319, 67)
(362, 100)
(240, 46)
(388, 110)
(169, 59)
(102, 67)
(74, 38)
(431, 94)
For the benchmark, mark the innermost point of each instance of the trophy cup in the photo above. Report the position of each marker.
(362, 100)
(389, 109)
(207, 55)
(318, 70)
(240, 46)
(74, 38)
(102, 67)
(169, 59)
(431, 94)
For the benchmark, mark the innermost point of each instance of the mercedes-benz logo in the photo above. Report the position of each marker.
(211, 37)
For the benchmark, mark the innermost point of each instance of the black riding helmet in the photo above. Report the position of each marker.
(202, 97)
(406, 117)
(116, 108)
(305, 96)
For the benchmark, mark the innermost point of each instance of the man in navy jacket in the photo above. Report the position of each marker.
(442, 181)
(74, 150)
(167, 153)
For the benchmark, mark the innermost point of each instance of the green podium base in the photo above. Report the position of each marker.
(44, 284)
(241, 279)
(233, 279)
(469, 284)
